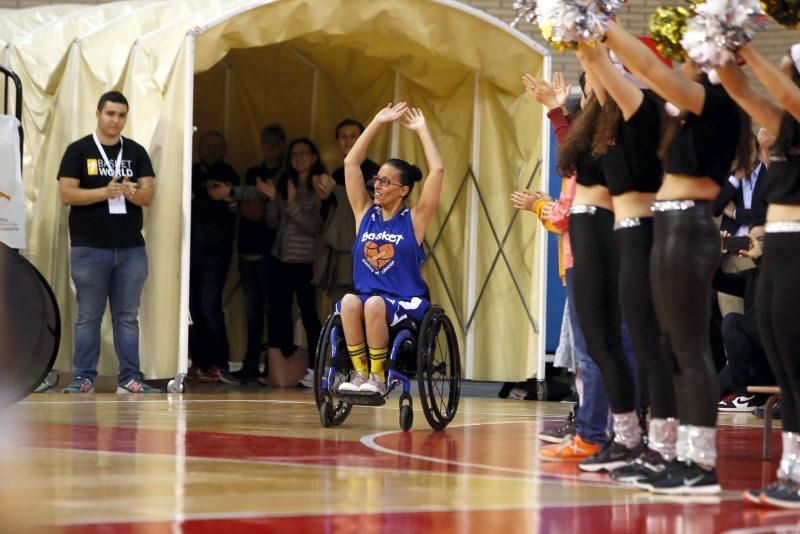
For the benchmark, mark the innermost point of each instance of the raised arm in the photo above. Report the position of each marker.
(432, 188)
(670, 85)
(762, 109)
(782, 89)
(595, 60)
(353, 178)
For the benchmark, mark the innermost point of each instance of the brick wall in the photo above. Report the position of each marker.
(773, 43)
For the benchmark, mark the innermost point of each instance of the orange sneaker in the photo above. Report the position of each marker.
(573, 450)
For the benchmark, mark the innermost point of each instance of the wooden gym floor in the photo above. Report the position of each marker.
(257, 459)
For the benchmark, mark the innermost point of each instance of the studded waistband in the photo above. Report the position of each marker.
(672, 205)
(630, 222)
(582, 209)
(782, 227)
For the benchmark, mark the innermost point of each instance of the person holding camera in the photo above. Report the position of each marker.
(213, 230)
(746, 356)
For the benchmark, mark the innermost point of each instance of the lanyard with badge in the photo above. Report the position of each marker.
(116, 206)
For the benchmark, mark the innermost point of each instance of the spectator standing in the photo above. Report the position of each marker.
(333, 266)
(213, 228)
(254, 246)
(297, 208)
(106, 179)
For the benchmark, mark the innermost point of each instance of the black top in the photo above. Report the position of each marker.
(742, 284)
(589, 170)
(705, 144)
(632, 163)
(255, 238)
(368, 168)
(743, 216)
(782, 182)
(93, 225)
(213, 222)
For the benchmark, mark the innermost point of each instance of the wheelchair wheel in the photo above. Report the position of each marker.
(438, 368)
(332, 411)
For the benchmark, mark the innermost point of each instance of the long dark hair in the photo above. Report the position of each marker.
(579, 137)
(605, 133)
(288, 172)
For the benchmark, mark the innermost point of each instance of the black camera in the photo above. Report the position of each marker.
(734, 244)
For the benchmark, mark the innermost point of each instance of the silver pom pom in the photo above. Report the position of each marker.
(564, 23)
(526, 10)
(719, 29)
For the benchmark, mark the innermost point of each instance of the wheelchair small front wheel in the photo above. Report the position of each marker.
(406, 413)
(325, 414)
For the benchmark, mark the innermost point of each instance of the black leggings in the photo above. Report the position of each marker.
(686, 252)
(635, 245)
(595, 275)
(777, 298)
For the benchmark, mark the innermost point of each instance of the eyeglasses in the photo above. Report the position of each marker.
(385, 182)
(301, 154)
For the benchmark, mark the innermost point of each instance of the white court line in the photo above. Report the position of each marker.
(771, 529)
(370, 442)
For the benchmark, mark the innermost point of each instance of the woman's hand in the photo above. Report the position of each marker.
(391, 113)
(551, 96)
(543, 196)
(266, 188)
(415, 120)
(323, 185)
(522, 200)
(291, 192)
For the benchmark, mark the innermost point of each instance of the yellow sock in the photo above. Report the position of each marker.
(377, 361)
(358, 355)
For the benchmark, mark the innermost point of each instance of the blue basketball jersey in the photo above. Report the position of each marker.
(387, 259)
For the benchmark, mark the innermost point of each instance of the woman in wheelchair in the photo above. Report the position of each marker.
(387, 253)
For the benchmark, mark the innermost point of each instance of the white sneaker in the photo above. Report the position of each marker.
(308, 380)
(375, 384)
(354, 384)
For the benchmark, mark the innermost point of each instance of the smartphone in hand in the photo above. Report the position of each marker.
(734, 244)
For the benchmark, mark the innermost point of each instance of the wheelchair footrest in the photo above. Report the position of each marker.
(361, 399)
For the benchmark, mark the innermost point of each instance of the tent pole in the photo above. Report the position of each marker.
(186, 206)
(394, 145)
(544, 175)
(472, 258)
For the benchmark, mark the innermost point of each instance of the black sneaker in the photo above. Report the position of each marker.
(610, 457)
(782, 494)
(776, 411)
(682, 477)
(560, 434)
(245, 375)
(753, 496)
(648, 464)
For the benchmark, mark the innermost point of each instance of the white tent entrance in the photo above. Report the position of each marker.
(236, 66)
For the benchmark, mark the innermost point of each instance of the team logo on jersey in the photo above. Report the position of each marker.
(378, 256)
(92, 167)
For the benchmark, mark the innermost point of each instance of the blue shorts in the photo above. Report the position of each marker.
(398, 309)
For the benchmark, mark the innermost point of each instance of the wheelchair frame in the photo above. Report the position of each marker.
(334, 407)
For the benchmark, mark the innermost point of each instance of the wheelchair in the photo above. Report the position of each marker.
(427, 352)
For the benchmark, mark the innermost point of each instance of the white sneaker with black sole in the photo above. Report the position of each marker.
(740, 403)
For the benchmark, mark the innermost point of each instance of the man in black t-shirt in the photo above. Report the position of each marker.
(213, 230)
(106, 179)
(333, 268)
(255, 244)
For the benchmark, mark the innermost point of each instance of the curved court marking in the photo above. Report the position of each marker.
(369, 441)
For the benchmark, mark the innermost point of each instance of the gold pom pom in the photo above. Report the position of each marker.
(785, 12)
(667, 25)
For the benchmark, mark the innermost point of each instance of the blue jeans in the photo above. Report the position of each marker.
(592, 421)
(115, 275)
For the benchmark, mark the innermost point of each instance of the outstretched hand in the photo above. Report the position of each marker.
(391, 113)
(415, 120)
(523, 200)
(550, 96)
